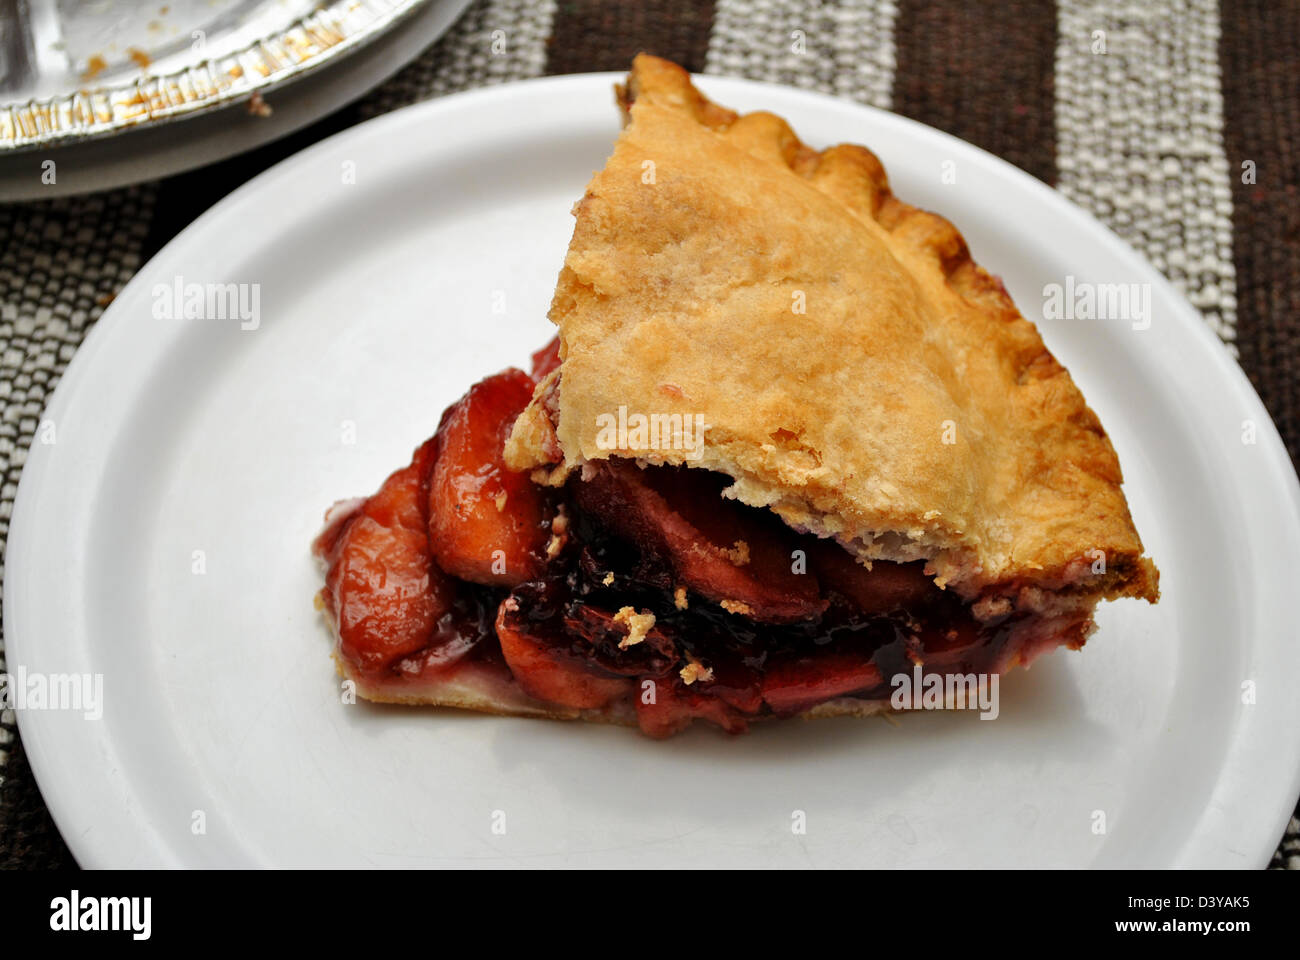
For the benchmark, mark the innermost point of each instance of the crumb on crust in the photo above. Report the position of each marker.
(638, 625)
(694, 670)
(559, 534)
(738, 554)
(258, 107)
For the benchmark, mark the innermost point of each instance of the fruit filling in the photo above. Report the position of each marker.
(630, 592)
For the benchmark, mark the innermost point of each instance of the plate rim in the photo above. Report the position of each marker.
(1270, 816)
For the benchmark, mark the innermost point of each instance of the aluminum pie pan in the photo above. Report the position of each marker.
(327, 32)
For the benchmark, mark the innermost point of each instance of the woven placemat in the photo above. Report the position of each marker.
(1144, 114)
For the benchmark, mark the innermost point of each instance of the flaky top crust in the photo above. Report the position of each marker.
(858, 373)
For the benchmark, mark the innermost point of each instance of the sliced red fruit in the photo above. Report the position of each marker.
(671, 710)
(487, 524)
(734, 683)
(883, 589)
(546, 359)
(600, 633)
(718, 548)
(953, 643)
(798, 684)
(382, 587)
(547, 672)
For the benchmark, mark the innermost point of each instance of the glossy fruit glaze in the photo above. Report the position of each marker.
(458, 560)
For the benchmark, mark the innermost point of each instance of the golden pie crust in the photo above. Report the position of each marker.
(857, 371)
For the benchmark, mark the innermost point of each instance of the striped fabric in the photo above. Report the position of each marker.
(1175, 124)
(1149, 159)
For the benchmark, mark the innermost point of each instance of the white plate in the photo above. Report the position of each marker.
(377, 304)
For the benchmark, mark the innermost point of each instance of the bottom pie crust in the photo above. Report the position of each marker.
(486, 684)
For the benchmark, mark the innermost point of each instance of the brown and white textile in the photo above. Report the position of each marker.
(1176, 122)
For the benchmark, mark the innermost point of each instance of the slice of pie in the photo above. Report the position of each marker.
(790, 444)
